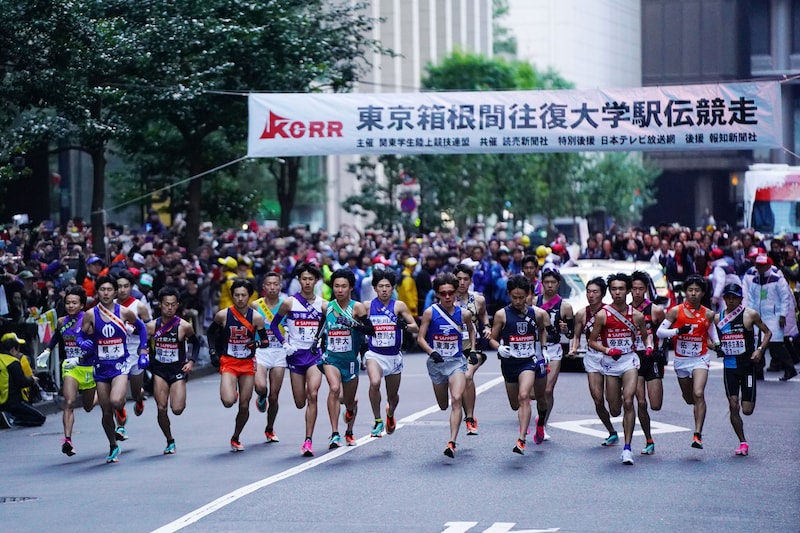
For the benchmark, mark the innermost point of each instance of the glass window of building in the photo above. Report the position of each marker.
(759, 28)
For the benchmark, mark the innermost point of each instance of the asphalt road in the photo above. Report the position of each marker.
(403, 482)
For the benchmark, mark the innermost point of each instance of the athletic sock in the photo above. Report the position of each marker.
(172, 441)
(650, 441)
(698, 435)
(627, 447)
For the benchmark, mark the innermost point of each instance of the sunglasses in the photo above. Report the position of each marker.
(446, 293)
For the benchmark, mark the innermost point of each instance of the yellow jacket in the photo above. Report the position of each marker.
(407, 291)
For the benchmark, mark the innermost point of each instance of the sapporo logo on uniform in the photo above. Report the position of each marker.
(286, 128)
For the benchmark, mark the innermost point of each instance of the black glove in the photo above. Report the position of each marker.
(401, 323)
(719, 350)
(570, 327)
(683, 330)
(366, 328)
(552, 335)
(472, 357)
(212, 354)
(436, 357)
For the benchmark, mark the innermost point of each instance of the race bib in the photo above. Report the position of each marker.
(621, 340)
(385, 332)
(522, 346)
(688, 347)
(732, 344)
(340, 341)
(167, 353)
(306, 329)
(110, 349)
(446, 345)
(239, 350)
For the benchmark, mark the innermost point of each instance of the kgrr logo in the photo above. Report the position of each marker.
(281, 127)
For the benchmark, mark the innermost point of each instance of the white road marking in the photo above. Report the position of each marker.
(219, 503)
(583, 426)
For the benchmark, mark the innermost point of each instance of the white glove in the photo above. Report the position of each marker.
(70, 362)
(42, 358)
(546, 358)
(288, 348)
(129, 328)
(504, 351)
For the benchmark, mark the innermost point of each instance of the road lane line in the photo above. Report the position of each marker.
(219, 503)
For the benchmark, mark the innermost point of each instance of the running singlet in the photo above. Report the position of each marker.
(341, 340)
(647, 310)
(268, 315)
(444, 333)
(519, 334)
(618, 334)
(737, 342)
(69, 334)
(472, 307)
(110, 336)
(388, 338)
(301, 324)
(168, 349)
(692, 344)
(239, 342)
(587, 329)
(132, 339)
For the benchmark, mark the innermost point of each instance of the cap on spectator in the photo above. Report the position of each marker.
(135, 271)
(411, 262)
(138, 258)
(146, 280)
(503, 250)
(558, 248)
(12, 337)
(25, 274)
(525, 240)
(733, 288)
(94, 259)
(229, 262)
(542, 252)
(52, 268)
(715, 253)
(763, 259)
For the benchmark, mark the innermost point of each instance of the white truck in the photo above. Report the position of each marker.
(772, 198)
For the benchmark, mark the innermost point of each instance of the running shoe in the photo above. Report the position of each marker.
(377, 429)
(391, 424)
(538, 435)
(547, 436)
(349, 438)
(450, 451)
(170, 449)
(236, 446)
(307, 450)
(743, 449)
(348, 415)
(472, 425)
(650, 449)
(113, 455)
(138, 407)
(626, 457)
(697, 442)
(612, 439)
(519, 447)
(335, 442)
(261, 403)
(122, 416)
(67, 448)
(121, 433)
(271, 436)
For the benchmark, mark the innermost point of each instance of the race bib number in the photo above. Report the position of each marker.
(447, 345)
(238, 350)
(385, 334)
(110, 349)
(167, 353)
(340, 341)
(733, 344)
(621, 340)
(522, 345)
(689, 347)
(306, 329)
(72, 351)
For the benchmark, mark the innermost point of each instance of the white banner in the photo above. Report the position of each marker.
(736, 116)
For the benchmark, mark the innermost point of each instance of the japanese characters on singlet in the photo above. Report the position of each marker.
(388, 338)
(168, 349)
(738, 343)
(444, 333)
(340, 338)
(619, 332)
(69, 335)
(692, 344)
(520, 332)
(239, 337)
(109, 334)
(646, 308)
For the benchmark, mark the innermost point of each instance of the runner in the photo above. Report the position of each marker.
(305, 314)
(530, 269)
(614, 334)
(125, 297)
(76, 370)
(234, 330)
(344, 330)
(584, 322)
(440, 337)
(475, 303)
(741, 356)
(104, 334)
(562, 319)
(651, 368)
(170, 366)
(692, 330)
(384, 357)
(523, 361)
(270, 361)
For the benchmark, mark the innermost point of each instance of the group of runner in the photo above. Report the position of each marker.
(253, 342)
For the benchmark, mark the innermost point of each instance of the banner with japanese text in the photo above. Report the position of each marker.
(734, 116)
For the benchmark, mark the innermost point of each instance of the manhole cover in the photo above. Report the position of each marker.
(16, 499)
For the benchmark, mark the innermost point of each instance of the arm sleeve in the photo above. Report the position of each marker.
(55, 339)
(142, 329)
(664, 330)
(194, 341)
(211, 335)
(85, 342)
(713, 335)
(276, 321)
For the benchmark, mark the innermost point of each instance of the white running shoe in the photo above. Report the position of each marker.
(627, 457)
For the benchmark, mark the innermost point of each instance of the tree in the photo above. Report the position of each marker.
(378, 197)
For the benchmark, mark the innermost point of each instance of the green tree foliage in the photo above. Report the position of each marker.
(378, 197)
(504, 42)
